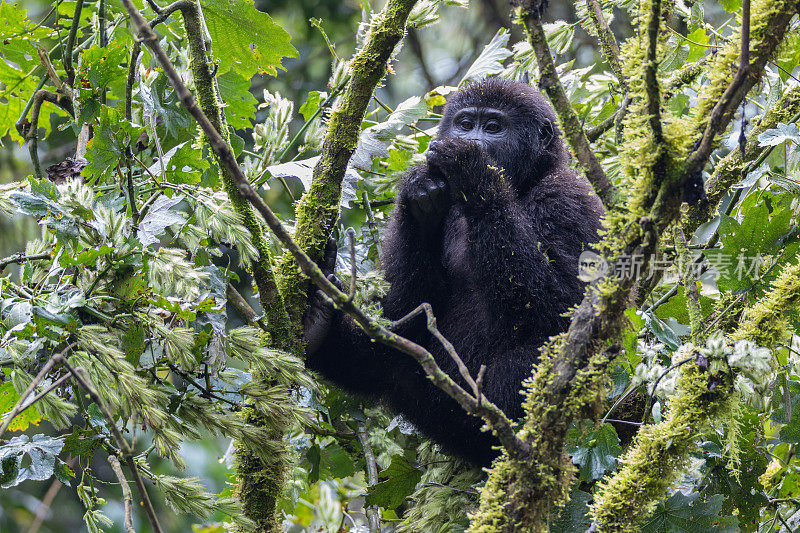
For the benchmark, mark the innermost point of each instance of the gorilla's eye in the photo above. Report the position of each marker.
(465, 124)
(493, 126)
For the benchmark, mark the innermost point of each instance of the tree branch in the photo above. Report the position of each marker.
(318, 209)
(573, 129)
(608, 43)
(494, 417)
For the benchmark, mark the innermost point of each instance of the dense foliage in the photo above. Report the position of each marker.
(140, 318)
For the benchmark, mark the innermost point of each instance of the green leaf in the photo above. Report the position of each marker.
(402, 478)
(780, 134)
(8, 399)
(677, 307)
(159, 218)
(575, 515)
(686, 514)
(41, 452)
(731, 6)
(312, 103)
(245, 39)
(240, 104)
(101, 65)
(696, 51)
(764, 224)
(111, 135)
(597, 452)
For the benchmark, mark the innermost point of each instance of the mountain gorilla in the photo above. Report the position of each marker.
(489, 232)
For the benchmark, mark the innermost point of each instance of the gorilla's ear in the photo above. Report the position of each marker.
(546, 134)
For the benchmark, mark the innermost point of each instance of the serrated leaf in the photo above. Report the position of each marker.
(780, 134)
(101, 65)
(158, 218)
(41, 451)
(597, 452)
(402, 478)
(686, 514)
(491, 59)
(312, 103)
(8, 399)
(245, 39)
(240, 104)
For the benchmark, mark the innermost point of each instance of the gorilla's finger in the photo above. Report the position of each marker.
(333, 279)
(434, 193)
(329, 260)
(425, 202)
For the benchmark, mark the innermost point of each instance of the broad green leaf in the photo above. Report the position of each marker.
(697, 51)
(312, 103)
(401, 478)
(244, 39)
(41, 452)
(731, 6)
(240, 104)
(677, 307)
(779, 135)
(111, 135)
(101, 65)
(686, 514)
(8, 399)
(597, 452)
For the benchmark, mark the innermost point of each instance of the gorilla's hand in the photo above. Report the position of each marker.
(320, 314)
(427, 198)
(474, 178)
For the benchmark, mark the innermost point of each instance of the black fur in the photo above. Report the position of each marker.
(496, 256)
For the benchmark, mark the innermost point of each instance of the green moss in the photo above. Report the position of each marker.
(318, 210)
(767, 323)
(658, 455)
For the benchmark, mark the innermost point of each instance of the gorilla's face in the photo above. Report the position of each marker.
(512, 122)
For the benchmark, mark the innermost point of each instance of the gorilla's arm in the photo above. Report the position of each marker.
(412, 262)
(527, 272)
(412, 249)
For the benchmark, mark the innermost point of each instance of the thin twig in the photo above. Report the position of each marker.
(446, 344)
(127, 497)
(371, 466)
(124, 446)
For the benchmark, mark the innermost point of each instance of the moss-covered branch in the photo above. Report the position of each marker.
(318, 210)
(658, 455)
(608, 43)
(261, 481)
(659, 452)
(731, 169)
(570, 123)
